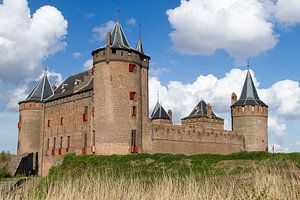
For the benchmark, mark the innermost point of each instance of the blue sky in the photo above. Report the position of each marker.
(198, 50)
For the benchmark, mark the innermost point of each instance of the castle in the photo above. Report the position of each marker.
(105, 111)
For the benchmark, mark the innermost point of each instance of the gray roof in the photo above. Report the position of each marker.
(249, 94)
(41, 91)
(118, 38)
(200, 111)
(139, 45)
(159, 112)
(67, 88)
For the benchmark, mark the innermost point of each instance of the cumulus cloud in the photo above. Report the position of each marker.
(182, 98)
(158, 71)
(76, 55)
(99, 32)
(131, 21)
(242, 28)
(88, 64)
(25, 42)
(276, 148)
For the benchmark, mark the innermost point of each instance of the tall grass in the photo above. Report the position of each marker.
(280, 180)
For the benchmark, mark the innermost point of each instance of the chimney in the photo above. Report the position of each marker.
(233, 98)
(108, 38)
(208, 109)
(170, 114)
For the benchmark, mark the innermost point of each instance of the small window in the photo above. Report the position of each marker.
(54, 143)
(48, 144)
(68, 143)
(131, 67)
(61, 121)
(133, 111)
(131, 95)
(61, 143)
(85, 141)
(94, 137)
(93, 111)
(113, 51)
(48, 124)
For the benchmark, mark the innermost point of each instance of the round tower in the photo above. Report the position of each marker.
(120, 95)
(250, 117)
(31, 117)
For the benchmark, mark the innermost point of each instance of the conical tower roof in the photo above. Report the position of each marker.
(200, 111)
(41, 91)
(118, 38)
(139, 45)
(249, 94)
(159, 112)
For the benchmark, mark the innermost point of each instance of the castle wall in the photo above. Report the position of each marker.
(204, 122)
(70, 134)
(114, 109)
(252, 122)
(30, 126)
(182, 140)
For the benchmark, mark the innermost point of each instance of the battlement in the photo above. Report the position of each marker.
(249, 110)
(31, 106)
(200, 134)
(124, 55)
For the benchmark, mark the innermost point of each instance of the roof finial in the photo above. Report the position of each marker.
(248, 64)
(118, 11)
(140, 30)
(157, 96)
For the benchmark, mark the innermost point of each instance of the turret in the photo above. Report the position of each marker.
(203, 116)
(160, 116)
(120, 95)
(250, 117)
(31, 117)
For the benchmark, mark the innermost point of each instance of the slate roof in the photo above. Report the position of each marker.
(159, 112)
(249, 94)
(41, 91)
(139, 46)
(118, 38)
(200, 111)
(67, 88)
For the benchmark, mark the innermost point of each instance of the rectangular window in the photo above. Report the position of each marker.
(94, 137)
(131, 95)
(68, 144)
(48, 143)
(61, 121)
(48, 124)
(133, 111)
(131, 67)
(85, 141)
(85, 114)
(61, 143)
(54, 143)
(134, 148)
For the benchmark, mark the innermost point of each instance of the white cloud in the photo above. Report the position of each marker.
(158, 71)
(288, 11)
(276, 127)
(76, 55)
(242, 28)
(182, 98)
(131, 21)
(25, 42)
(100, 31)
(276, 148)
(88, 64)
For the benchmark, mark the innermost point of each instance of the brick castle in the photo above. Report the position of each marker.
(105, 111)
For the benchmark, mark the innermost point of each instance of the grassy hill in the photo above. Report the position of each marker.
(163, 176)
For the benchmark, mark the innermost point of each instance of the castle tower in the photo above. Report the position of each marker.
(120, 95)
(31, 117)
(250, 117)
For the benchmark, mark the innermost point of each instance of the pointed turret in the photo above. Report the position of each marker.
(249, 94)
(202, 110)
(41, 91)
(118, 38)
(139, 45)
(159, 112)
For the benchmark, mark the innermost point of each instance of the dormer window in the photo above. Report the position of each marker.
(63, 87)
(77, 81)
